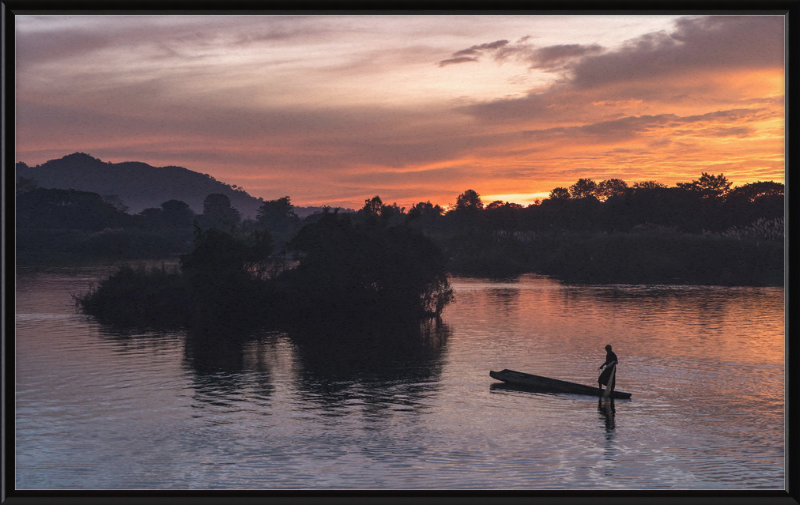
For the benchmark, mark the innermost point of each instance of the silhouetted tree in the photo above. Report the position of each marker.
(708, 186)
(425, 215)
(392, 214)
(751, 191)
(583, 188)
(423, 210)
(559, 194)
(611, 187)
(25, 184)
(218, 213)
(750, 202)
(220, 276)
(346, 270)
(215, 251)
(647, 185)
(372, 206)
(67, 208)
(277, 215)
(151, 218)
(177, 214)
(469, 200)
(503, 215)
(279, 218)
(116, 202)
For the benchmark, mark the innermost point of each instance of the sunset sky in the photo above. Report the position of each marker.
(336, 109)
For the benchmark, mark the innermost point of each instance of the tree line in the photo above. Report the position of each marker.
(707, 204)
(586, 232)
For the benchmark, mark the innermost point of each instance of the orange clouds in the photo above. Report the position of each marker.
(332, 110)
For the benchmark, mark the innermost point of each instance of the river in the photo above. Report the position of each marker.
(411, 407)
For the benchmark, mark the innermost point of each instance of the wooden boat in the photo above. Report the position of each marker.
(548, 385)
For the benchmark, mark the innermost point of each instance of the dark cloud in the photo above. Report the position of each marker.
(460, 59)
(698, 44)
(549, 58)
(32, 48)
(513, 109)
(466, 55)
(491, 45)
(560, 55)
(632, 126)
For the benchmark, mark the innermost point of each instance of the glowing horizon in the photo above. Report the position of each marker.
(332, 110)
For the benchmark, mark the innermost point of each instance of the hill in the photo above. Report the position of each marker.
(138, 184)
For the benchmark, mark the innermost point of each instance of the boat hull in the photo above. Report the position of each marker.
(546, 384)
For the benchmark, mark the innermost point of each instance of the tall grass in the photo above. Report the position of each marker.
(761, 229)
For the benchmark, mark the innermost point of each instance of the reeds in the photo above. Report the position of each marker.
(761, 229)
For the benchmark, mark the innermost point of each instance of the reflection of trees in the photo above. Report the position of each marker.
(131, 339)
(220, 360)
(381, 363)
(392, 363)
(508, 299)
(705, 306)
(223, 362)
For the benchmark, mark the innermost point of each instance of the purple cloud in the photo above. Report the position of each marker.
(697, 44)
(453, 61)
(476, 50)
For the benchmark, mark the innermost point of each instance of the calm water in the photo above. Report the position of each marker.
(100, 408)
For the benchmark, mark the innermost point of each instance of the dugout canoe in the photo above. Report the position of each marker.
(546, 384)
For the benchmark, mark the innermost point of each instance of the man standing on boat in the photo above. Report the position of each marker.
(610, 364)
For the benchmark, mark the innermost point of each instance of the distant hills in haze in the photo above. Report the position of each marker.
(140, 185)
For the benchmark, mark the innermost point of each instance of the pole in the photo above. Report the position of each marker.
(610, 385)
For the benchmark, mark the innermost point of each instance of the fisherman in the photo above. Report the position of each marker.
(611, 359)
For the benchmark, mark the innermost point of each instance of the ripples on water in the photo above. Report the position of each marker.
(102, 408)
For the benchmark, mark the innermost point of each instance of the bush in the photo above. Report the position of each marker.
(139, 297)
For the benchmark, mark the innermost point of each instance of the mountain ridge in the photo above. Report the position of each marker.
(140, 185)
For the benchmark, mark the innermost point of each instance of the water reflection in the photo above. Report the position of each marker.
(350, 406)
(504, 387)
(506, 299)
(607, 412)
(383, 367)
(380, 366)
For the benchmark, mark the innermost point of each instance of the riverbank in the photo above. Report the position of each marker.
(643, 257)
(72, 246)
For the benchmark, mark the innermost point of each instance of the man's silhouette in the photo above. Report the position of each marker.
(610, 364)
